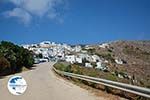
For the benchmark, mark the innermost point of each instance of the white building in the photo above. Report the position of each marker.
(81, 55)
(118, 61)
(78, 60)
(120, 76)
(101, 66)
(45, 44)
(95, 58)
(77, 48)
(26, 46)
(88, 65)
(88, 47)
(89, 58)
(104, 45)
(70, 58)
(45, 54)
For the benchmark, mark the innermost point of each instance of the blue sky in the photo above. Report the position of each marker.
(74, 21)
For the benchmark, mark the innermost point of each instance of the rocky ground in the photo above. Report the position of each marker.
(136, 57)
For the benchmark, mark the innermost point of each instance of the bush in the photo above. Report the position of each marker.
(111, 77)
(40, 56)
(107, 56)
(63, 67)
(4, 65)
(16, 57)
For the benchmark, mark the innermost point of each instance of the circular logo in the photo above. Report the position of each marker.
(17, 85)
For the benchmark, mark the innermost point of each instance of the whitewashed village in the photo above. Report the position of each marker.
(50, 51)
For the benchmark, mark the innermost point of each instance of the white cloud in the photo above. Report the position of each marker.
(26, 9)
(19, 13)
(17, 2)
(52, 15)
(39, 7)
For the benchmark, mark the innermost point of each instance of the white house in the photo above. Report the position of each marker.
(95, 58)
(45, 54)
(88, 47)
(70, 58)
(45, 44)
(118, 61)
(78, 60)
(88, 65)
(77, 48)
(120, 76)
(81, 55)
(100, 66)
(104, 45)
(37, 51)
(26, 46)
(89, 58)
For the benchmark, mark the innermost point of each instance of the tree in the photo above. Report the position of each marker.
(4, 65)
(40, 55)
(15, 56)
(27, 58)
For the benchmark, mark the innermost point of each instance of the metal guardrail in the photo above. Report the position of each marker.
(145, 92)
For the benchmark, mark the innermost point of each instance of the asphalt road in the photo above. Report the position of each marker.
(43, 84)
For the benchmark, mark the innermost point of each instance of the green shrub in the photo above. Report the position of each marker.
(107, 56)
(63, 67)
(4, 65)
(16, 56)
(111, 77)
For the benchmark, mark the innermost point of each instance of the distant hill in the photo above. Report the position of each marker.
(135, 54)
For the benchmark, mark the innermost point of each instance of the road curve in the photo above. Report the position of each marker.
(43, 84)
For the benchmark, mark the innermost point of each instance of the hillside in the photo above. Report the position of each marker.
(135, 56)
